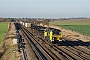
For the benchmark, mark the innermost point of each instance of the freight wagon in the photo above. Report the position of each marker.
(27, 24)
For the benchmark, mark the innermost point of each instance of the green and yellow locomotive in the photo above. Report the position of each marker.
(53, 34)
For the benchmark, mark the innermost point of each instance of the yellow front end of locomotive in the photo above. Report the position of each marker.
(57, 37)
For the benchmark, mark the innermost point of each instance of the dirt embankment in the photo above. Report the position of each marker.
(9, 48)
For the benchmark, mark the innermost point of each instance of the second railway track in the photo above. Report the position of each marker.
(44, 50)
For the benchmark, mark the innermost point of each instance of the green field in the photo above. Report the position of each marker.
(3, 30)
(83, 29)
(80, 26)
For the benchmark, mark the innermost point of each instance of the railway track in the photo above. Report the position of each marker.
(55, 55)
(44, 50)
(40, 51)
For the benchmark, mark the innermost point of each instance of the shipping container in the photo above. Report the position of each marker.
(23, 23)
(28, 24)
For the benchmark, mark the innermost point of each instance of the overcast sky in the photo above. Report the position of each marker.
(45, 8)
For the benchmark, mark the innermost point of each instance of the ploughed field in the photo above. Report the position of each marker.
(3, 30)
(43, 49)
(81, 26)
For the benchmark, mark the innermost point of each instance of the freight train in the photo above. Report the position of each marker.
(52, 34)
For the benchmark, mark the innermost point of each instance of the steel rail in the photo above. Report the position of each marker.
(49, 57)
(41, 56)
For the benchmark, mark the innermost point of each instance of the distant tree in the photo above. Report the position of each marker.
(46, 22)
(2, 20)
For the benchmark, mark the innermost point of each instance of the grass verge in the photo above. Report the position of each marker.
(3, 30)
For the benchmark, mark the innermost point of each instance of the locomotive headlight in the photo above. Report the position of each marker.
(53, 38)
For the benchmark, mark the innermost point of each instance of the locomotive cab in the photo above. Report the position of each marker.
(57, 35)
(53, 34)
